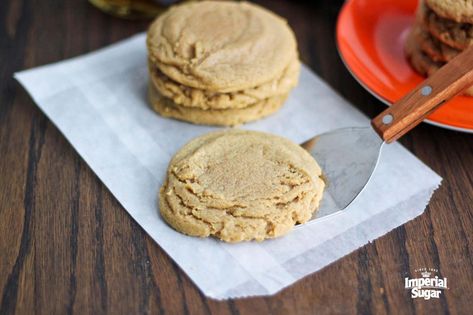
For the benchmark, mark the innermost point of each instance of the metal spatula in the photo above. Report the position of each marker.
(348, 156)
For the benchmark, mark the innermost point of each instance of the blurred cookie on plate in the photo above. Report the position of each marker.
(442, 30)
(434, 48)
(460, 11)
(455, 33)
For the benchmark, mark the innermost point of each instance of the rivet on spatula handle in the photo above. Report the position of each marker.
(408, 112)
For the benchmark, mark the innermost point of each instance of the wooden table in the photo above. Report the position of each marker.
(67, 246)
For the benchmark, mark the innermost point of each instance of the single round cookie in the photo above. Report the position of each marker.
(457, 35)
(421, 62)
(203, 99)
(240, 185)
(219, 117)
(221, 46)
(434, 48)
(460, 11)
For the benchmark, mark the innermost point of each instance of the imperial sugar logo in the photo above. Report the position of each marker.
(428, 286)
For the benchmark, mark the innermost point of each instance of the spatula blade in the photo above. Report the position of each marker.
(348, 158)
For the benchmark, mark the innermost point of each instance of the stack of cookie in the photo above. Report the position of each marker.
(442, 30)
(220, 63)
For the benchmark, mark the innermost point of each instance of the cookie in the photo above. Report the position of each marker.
(457, 35)
(203, 99)
(434, 48)
(221, 46)
(417, 58)
(460, 11)
(220, 117)
(421, 62)
(239, 185)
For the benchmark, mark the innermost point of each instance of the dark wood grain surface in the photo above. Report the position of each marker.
(67, 246)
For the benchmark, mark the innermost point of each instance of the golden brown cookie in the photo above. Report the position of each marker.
(220, 117)
(434, 48)
(240, 185)
(460, 11)
(457, 35)
(417, 58)
(203, 99)
(421, 62)
(221, 46)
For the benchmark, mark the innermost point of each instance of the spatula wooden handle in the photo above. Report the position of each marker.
(409, 111)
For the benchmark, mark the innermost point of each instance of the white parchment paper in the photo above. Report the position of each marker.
(98, 101)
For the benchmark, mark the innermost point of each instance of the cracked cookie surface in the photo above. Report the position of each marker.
(240, 185)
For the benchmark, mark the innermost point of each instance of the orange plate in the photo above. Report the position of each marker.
(370, 38)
